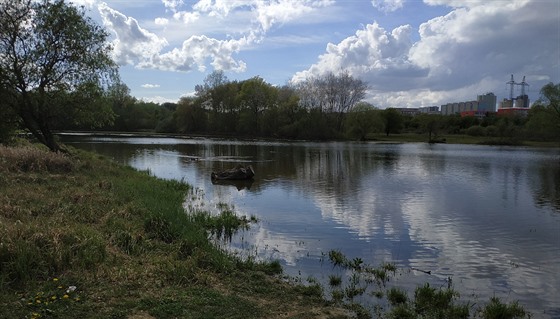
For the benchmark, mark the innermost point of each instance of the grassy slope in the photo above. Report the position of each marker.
(122, 239)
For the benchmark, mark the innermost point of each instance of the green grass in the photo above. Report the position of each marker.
(122, 238)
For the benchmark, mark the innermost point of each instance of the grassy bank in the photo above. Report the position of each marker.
(82, 237)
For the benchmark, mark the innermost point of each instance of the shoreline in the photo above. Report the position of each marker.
(378, 138)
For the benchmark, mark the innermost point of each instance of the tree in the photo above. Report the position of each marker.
(430, 123)
(544, 117)
(256, 97)
(332, 94)
(53, 59)
(363, 120)
(393, 121)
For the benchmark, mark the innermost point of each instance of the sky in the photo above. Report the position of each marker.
(411, 53)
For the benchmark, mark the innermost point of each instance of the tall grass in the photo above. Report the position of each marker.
(33, 159)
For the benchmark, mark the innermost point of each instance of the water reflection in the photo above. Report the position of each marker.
(486, 216)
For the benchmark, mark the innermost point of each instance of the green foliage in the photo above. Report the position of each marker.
(476, 130)
(56, 62)
(363, 120)
(498, 310)
(544, 117)
(438, 303)
(396, 296)
(222, 226)
(394, 121)
(335, 281)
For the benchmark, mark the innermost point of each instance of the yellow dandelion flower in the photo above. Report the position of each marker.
(53, 297)
(38, 301)
(55, 279)
(65, 296)
(59, 287)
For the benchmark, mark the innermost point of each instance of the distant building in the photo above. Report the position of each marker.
(506, 104)
(408, 111)
(458, 107)
(487, 102)
(518, 106)
(429, 110)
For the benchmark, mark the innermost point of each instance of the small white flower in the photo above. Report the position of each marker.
(70, 289)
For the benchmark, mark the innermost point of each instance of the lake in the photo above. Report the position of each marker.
(487, 217)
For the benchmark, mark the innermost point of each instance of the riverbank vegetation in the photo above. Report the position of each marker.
(83, 237)
(312, 110)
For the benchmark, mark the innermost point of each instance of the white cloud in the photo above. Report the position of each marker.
(471, 50)
(388, 5)
(282, 11)
(186, 17)
(150, 86)
(221, 8)
(158, 99)
(194, 53)
(161, 21)
(172, 4)
(144, 49)
(371, 53)
(85, 3)
(132, 43)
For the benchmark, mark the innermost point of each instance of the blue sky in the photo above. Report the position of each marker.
(410, 52)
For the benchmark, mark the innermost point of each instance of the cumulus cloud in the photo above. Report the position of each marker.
(144, 49)
(161, 21)
(372, 53)
(387, 5)
(186, 17)
(282, 11)
(194, 53)
(132, 43)
(85, 3)
(172, 4)
(150, 86)
(469, 51)
(158, 99)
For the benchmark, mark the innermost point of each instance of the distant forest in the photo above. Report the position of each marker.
(321, 108)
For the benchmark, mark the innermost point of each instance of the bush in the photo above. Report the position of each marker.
(492, 130)
(396, 296)
(498, 310)
(476, 130)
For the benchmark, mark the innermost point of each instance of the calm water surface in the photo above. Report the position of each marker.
(487, 217)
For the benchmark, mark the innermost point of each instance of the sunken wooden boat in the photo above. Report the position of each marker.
(239, 172)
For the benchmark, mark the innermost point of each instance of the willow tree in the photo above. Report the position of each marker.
(55, 63)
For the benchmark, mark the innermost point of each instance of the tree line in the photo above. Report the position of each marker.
(320, 108)
(56, 74)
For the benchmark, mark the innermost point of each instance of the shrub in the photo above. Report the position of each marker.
(476, 130)
(498, 310)
(396, 296)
